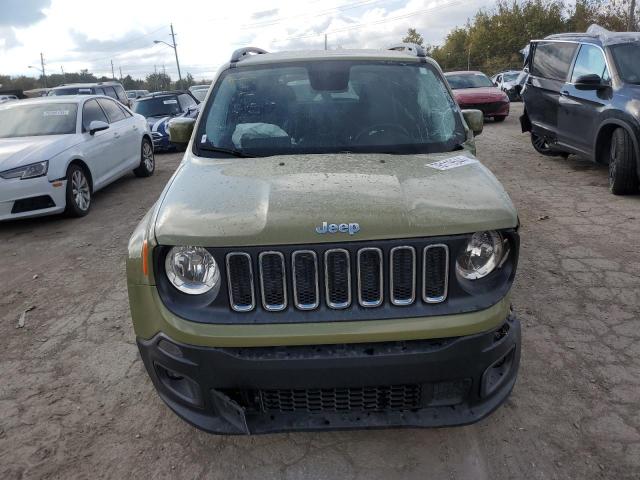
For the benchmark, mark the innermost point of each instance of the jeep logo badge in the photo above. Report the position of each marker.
(350, 228)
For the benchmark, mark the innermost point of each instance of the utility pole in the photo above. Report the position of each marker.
(325, 41)
(64, 77)
(113, 75)
(631, 27)
(469, 59)
(44, 75)
(175, 50)
(120, 69)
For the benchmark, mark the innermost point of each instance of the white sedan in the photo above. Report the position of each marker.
(55, 152)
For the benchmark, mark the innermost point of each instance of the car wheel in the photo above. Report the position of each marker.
(147, 160)
(542, 146)
(78, 195)
(499, 118)
(623, 175)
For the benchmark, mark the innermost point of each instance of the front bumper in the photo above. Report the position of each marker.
(32, 196)
(416, 383)
(490, 109)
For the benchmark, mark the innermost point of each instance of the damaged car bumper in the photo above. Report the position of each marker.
(413, 383)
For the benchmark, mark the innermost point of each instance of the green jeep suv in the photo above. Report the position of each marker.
(329, 254)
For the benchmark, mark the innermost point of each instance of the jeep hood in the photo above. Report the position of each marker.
(282, 199)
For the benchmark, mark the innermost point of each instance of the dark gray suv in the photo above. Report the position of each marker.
(582, 97)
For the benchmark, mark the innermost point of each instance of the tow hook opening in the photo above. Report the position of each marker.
(179, 385)
(494, 376)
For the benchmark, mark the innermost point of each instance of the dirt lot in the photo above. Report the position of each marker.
(75, 401)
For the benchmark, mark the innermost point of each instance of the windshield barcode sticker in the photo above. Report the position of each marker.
(453, 162)
(204, 138)
(55, 113)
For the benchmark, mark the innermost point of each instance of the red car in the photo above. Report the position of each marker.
(474, 90)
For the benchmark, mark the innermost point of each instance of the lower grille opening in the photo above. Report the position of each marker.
(33, 203)
(365, 399)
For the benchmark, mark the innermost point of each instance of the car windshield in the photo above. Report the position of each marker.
(157, 107)
(510, 76)
(70, 91)
(330, 107)
(131, 94)
(36, 120)
(468, 80)
(626, 57)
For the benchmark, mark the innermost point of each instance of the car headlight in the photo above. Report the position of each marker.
(192, 270)
(481, 256)
(28, 171)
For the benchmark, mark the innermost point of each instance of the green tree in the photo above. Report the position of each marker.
(187, 82)
(158, 81)
(413, 37)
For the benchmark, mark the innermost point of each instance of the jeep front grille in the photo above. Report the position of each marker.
(337, 276)
(403, 275)
(306, 294)
(240, 279)
(435, 272)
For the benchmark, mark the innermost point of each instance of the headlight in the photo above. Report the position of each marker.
(192, 270)
(481, 257)
(28, 171)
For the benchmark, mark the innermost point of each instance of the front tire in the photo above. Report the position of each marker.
(78, 195)
(147, 160)
(623, 174)
(541, 146)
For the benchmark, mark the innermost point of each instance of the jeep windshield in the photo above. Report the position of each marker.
(626, 57)
(330, 107)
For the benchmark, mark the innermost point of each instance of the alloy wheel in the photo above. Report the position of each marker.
(80, 190)
(147, 156)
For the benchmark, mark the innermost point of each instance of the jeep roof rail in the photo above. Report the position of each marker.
(240, 53)
(417, 50)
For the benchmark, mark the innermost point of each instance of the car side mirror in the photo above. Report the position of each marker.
(180, 130)
(475, 120)
(97, 126)
(590, 81)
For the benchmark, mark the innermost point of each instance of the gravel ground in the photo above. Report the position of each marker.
(75, 401)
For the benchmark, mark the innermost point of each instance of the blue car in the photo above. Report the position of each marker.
(158, 108)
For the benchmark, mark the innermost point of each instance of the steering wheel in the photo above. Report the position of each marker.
(381, 129)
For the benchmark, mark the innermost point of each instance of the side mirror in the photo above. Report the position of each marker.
(590, 81)
(97, 126)
(180, 130)
(475, 120)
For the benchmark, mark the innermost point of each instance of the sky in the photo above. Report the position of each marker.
(74, 35)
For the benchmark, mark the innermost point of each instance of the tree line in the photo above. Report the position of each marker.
(491, 41)
(153, 82)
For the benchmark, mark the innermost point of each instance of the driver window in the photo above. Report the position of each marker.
(590, 61)
(90, 112)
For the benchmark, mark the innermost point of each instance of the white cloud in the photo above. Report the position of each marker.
(78, 35)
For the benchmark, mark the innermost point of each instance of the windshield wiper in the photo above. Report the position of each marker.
(228, 151)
